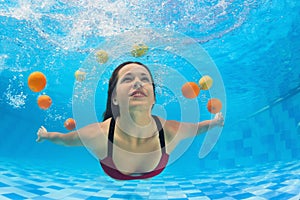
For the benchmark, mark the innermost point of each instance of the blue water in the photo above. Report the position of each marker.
(250, 47)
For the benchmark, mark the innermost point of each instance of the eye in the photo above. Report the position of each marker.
(126, 79)
(145, 79)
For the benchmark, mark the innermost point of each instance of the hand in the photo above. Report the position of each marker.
(41, 134)
(218, 120)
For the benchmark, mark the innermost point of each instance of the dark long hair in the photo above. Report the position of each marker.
(111, 109)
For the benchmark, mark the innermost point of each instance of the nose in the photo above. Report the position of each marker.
(137, 84)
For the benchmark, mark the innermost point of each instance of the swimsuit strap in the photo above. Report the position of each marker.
(111, 137)
(112, 131)
(161, 134)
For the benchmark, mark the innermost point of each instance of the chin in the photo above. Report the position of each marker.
(143, 105)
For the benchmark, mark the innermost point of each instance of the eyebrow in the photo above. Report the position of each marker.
(130, 74)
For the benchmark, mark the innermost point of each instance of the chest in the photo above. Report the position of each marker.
(137, 158)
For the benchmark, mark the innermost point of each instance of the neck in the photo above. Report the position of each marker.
(136, 124)
(139, 118)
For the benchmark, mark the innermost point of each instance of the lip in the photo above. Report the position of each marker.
(138, 93)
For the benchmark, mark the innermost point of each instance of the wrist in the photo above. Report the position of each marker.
(214, 122)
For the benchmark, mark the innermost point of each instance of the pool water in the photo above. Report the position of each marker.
(272, 181)
(250, 48)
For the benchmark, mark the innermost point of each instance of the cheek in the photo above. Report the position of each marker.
(122, 91)
(151, 92)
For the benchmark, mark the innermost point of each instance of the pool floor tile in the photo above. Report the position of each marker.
(280, 182)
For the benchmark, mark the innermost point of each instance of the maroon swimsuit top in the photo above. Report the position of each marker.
(108, 164)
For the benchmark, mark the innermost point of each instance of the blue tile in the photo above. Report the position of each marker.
(216, 185)
(283, 177)
(80, 188)
(230, 145)
(295, 153)
(243, 196)
(3, 185)
(260, 183)
(14, 196)
(134, 184)
(112, 187)
(38, 192)
(187, 188)
(247, 132)
(19, 182)
(42, 198)
(293, 143)
(212, 184)
(282, 196)
(80, 196)
(195, 194)
(55, 187)
(229, 163)
(37, 180)
(127, 196)
(90, 189)
(240, 185)
(238, 144)
(9, 175)
(271, 194)
(275, 187)
(231, 190)
(185, 183)
(267, 139)
(217, 196)
(205, 187)
(127, 189)
(214, 155)
(33, 186)
(173, 189)
(264, 157)
(247, 151)
(96, 198)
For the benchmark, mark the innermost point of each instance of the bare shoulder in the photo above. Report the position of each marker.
(94, 137)
(92, 130)
(170, 127)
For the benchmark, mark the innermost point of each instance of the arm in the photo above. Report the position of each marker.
(86, 136)
(182, 130)
(204, 126)
(69, 139)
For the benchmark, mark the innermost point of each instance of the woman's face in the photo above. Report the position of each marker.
(134, 88)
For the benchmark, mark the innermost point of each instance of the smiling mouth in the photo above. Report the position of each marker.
(138, 94)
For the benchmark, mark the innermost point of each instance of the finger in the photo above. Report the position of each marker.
(38, 132)
(221, 115)
(38, 138)
(216, 116)
(44, 129)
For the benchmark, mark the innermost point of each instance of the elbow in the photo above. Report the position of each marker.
(64, 140)
(67, 144)
(203, 127)
(202, 130)
(72, 140)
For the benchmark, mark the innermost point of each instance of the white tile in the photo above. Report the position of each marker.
(261, 192)
(297, 197)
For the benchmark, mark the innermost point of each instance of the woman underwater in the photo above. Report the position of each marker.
(130, 142)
